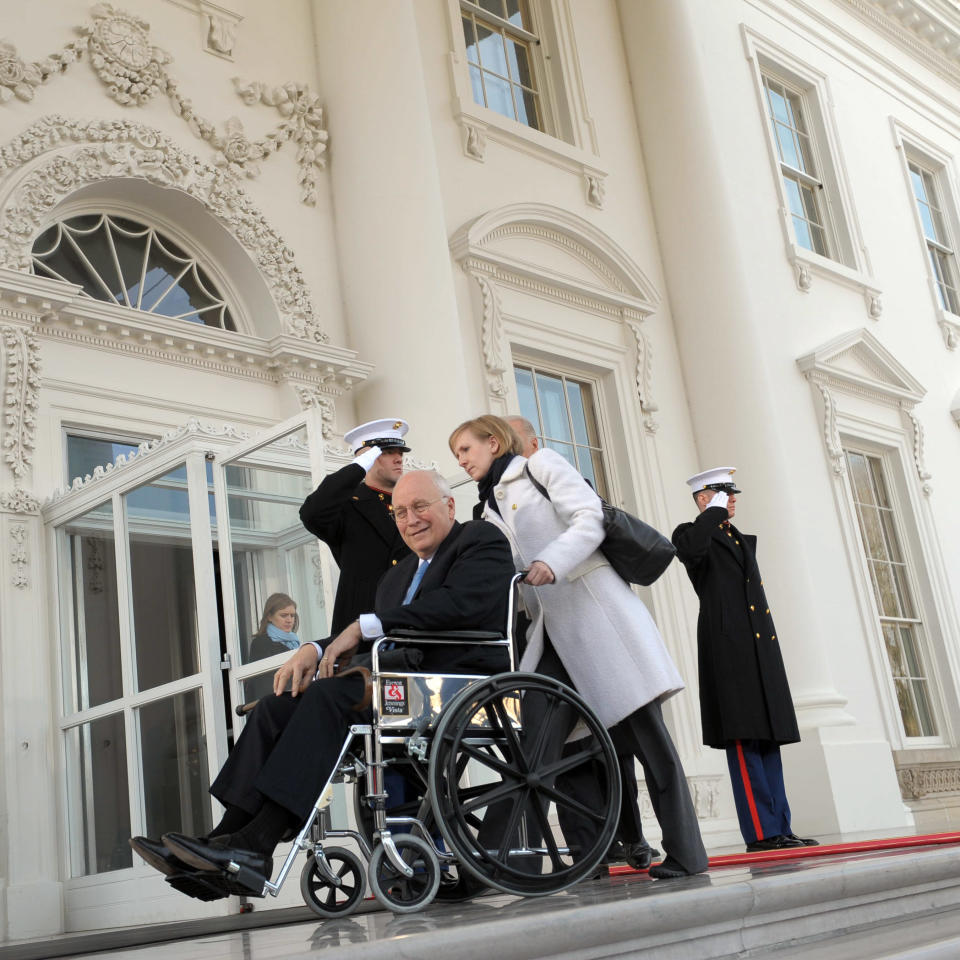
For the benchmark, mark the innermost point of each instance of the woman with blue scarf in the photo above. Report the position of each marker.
(277, 632)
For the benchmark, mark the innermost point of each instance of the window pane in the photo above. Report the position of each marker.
(499, 97)
(163, 592)
(528, 106)
(476, 84)
(85, 454)
(565, 450)
(886, 590)
(577, 413)
(519, 63)
(173, 746)
(891, 639)
(493, 6)
(98, 796)
(470, 39)
(860, 475)
(553, 408)
(787, 146)
(924, 710)
(492, 56)
(96, 667)
(528, 400)
(516, 14)
(911, 722)
(802, 231)
(872, 530)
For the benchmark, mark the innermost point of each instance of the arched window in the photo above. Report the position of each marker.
(130, 264)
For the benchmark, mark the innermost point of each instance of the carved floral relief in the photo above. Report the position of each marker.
(134, 71)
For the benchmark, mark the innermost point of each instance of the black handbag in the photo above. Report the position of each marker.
(636, 551)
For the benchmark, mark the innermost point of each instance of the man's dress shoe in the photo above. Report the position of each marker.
(639, 855)
(158, 856)
(808, 842)
(246, 868)
(670, 870)
(778, 842)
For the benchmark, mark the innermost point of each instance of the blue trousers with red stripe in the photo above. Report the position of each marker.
(757, 777)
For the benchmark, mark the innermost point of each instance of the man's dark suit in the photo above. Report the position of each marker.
(289, 745)
(354, 522)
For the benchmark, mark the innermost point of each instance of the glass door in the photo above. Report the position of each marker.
(264, 550)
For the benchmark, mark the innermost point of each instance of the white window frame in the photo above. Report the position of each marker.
(914, 148)
(569, 138)
(893, 467)
(876, 415)
(848, 261)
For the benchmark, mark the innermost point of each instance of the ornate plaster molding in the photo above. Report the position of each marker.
(927, 29)
(831, 432)
(491, 336)
(133, 71)
(922, 780)
(595, 188)
(20, 398)
(112, 149)
(312, 396)
(950, 330)
(193, 427)
(474, 141)
(923, 474)
(644, 365)
(18, 500)
(19, 556)
(706, 796)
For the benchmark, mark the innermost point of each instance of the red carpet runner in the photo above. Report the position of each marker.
(826, 850)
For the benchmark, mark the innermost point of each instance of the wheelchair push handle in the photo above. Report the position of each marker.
(242, 709)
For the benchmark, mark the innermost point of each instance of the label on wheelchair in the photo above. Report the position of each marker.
(395, 700)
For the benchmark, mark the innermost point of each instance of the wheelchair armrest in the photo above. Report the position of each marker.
(440, 635)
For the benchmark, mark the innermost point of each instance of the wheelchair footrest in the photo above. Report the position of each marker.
(216, 886)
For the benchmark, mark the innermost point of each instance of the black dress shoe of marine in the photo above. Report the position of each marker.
(158, 856)
(215, 856)
(778, 842)
(639, 855)
(808, 842)
(670, 870)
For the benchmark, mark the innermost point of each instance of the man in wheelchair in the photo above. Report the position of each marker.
(456, 579)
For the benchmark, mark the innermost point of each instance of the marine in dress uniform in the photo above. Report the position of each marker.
(745, 704)
(351, 512)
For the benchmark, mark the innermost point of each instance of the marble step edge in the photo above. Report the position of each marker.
(696, 918)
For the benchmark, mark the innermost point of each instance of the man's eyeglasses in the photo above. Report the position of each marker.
(420, 508)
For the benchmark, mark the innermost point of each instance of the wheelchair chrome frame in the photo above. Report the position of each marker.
(316, 829)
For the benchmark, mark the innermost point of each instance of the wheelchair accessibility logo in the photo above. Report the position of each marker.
(395, 700)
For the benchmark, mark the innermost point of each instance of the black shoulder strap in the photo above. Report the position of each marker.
(540, 487)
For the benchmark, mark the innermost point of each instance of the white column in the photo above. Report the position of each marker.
(31, 900)
(394, 259)
(726, 343)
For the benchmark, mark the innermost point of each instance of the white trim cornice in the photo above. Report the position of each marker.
(59, 312)
(927, 29)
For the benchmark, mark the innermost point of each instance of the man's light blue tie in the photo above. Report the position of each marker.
(415, 582)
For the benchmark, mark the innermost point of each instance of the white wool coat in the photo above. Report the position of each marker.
(600, 629)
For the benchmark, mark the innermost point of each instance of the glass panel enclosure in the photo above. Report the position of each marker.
(271, 552)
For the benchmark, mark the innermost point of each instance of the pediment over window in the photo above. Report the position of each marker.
(859, 363)
(556, 249)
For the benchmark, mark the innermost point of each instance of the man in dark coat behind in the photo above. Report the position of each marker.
(351, 512)
(745, 702)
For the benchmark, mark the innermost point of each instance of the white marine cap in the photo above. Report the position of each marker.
(378, 433)
(719, 478)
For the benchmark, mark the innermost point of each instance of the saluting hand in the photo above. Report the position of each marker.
(539, 574)
(297, 672)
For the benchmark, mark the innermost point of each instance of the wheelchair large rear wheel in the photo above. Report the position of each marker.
(501, 771)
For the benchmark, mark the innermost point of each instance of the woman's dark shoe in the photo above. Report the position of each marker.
(670, 870)
(155, 853)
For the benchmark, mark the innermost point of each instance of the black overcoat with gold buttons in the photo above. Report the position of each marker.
(355, 522)
(744, 693)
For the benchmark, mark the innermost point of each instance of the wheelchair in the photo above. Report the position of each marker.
(485, 760)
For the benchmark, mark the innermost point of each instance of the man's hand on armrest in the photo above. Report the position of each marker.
(340, 648)
(297, 672)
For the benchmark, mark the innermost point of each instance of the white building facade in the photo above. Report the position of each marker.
(674, 233)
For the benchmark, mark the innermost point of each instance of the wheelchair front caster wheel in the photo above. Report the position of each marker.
(397, 892)
(326, 898)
